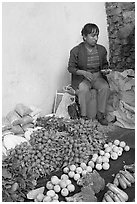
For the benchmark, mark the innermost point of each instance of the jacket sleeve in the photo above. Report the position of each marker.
(73, 61)
(105, 64)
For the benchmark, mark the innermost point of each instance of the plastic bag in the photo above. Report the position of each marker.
(62, 110)
(14, 118)
(4, 151)
(27, 119)
(10, 141)
(17, 129)
(5, 124)
(28, 125)
(35, 111)
(22, 110)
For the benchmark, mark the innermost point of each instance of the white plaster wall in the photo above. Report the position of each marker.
(36, 40)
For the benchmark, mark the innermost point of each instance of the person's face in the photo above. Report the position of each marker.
(91, 39)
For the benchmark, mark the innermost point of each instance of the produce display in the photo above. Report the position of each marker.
(123, 179)
(76, 147)
(114, 194)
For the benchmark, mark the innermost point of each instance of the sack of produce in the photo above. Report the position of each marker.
(22, 109)
(17, 129)
(27, 126)
(10, 141)
(27, 119)
(14, 118)
(5, 124)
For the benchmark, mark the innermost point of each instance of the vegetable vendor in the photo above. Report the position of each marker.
(86, 61)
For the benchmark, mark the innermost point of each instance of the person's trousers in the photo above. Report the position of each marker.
(94, 93)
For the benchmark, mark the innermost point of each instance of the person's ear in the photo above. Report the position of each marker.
(84, 37)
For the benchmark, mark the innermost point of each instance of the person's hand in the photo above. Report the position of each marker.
(88, 75)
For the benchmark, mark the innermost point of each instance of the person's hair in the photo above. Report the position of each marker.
(90, 28)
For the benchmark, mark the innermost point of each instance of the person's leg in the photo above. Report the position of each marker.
(92, 104)
(83, 90)
(103, 92)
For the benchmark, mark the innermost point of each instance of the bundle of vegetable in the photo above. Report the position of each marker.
(16, 180)
(114, 194)
(85, 195)
(93, 179)
(92, 183)
(130, 167)
(111, 150)
(87, 136)
(124, 179)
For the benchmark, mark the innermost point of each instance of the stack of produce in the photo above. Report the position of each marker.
(58, 187)
(56, 144)
(17, 180)
(123, 179)
(26, 119)
(15, 124)
(111, 150)
(121, 104)
(92, 183)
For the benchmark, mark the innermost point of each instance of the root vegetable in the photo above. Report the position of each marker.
(83, 166)
(76, 176)
(116, 142)
(47, 199)
(71, 174)
(64, 192)
(51, 193)
(122, 144)
(126, 148)
(49, 185)
(98, 166)
(57, 188)
(114, 155)
(71, 188)
(105, 166)
(116, 190)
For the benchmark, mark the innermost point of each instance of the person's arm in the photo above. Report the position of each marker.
(73, 61)
(105, 64)
(73, 65)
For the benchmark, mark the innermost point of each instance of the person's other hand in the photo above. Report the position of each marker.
(88, 75)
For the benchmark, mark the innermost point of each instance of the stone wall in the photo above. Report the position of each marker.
(121, 32)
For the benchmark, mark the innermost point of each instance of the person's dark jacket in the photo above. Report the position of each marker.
(78, 61)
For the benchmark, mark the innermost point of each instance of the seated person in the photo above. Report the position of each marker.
(85, 64)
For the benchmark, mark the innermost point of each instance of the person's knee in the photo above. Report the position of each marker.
(83, 88)
(105, 86)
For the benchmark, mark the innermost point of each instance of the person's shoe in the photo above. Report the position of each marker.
(84, 117)
(101, 119)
